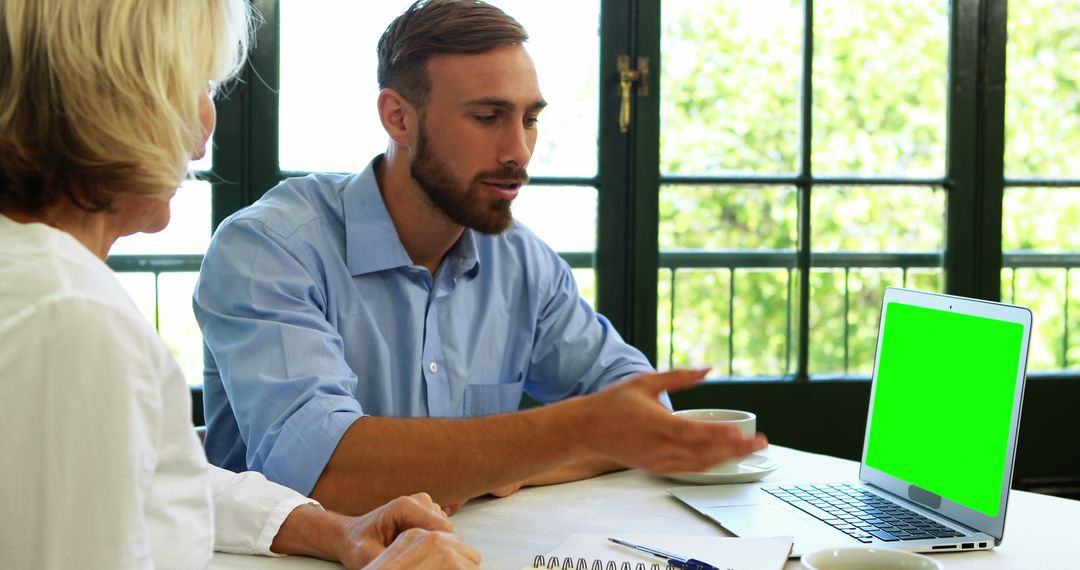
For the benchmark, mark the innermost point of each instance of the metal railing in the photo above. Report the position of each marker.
(733, 262)
(787, 260)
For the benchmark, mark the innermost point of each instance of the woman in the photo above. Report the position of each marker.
(102, 104)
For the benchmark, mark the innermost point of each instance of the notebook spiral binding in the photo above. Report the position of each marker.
(568, 563)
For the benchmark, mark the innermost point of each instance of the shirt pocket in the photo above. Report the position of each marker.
(488, 399)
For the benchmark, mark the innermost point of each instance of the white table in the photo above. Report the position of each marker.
(1039, 531)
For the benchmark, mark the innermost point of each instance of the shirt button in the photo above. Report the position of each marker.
(433, 367)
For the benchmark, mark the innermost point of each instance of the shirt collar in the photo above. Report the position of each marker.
(463, 258)
(372, 243)
(371, 240)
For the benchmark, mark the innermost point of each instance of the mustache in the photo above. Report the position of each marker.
(514, 174)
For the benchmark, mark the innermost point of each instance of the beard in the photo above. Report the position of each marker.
(465, 204)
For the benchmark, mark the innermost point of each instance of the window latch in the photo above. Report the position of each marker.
(627, 78)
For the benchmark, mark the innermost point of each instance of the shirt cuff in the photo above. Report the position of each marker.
(249, 511)
(276, 519)
(308, 440)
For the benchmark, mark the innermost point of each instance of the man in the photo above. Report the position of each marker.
(353, 322)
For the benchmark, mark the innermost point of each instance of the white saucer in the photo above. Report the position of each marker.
(751, 468)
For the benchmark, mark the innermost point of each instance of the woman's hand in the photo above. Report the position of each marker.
(408, 532)
(422, 549)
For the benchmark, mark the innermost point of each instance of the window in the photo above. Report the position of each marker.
(748, 162)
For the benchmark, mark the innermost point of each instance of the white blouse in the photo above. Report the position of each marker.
(99, 465)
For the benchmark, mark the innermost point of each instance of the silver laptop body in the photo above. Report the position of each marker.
(933, 473)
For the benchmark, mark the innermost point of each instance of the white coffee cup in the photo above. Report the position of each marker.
(745, 421)
(856, 558)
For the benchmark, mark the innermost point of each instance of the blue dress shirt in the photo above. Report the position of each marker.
(314, 315)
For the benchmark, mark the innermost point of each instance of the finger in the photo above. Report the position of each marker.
(732, 450)
(410, 512)
(425, 500)
(698, 447)
(672, 380)
(455, 541)
(471, 553)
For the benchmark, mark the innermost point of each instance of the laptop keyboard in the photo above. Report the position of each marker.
(859, 513)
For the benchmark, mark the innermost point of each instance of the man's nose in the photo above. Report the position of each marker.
(517, 146)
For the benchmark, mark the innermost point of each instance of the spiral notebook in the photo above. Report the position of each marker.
(595, 552)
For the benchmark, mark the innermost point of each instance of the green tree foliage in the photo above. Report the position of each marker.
(880, 86)
(1042, 100)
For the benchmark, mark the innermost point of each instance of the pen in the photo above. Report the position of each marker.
(672, 559)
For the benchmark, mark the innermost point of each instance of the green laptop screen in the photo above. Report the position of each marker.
(943, 402)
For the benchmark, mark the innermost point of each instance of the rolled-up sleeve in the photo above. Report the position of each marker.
(576, 350)
(281, 362)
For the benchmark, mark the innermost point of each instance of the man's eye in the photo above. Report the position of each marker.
(485, 119)
(531, 121)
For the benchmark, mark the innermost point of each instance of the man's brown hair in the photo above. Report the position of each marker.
(435, 27)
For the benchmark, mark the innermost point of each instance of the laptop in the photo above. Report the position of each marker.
(939, 447)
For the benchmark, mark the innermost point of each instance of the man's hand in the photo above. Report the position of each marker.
(408, 532)
(626, 423)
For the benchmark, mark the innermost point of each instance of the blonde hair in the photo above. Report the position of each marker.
(100, 97)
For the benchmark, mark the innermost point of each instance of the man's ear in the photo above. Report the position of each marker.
(398, 117)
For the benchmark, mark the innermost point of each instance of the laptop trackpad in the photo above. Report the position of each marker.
(774, 520)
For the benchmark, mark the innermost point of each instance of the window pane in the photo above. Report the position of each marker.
(1042, 94)
(695, 325)
(698, 304)
(845, 308)
(728, 217)
(178, 328)
(1042, 219)
(925, 279)
(877, 219)
(763, 323)
(880, 87)
(586, 282)
(1044, 292)
(664, 320)
(866, 288)
(827, 322)
(140, 286)
(563, 216)
(730, 86)
(329, 88)
(188, 231)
